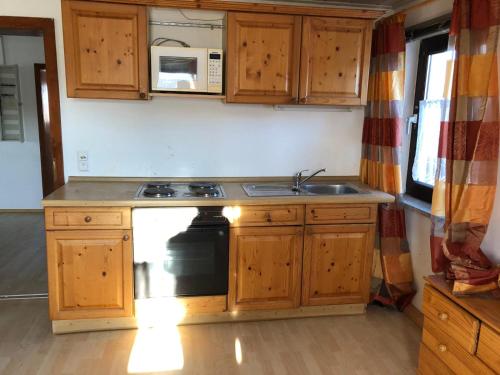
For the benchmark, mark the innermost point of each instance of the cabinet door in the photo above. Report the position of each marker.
(265, 267)
(335, 61)
(263, 53)
(90, 274)
(106, 50)
(337, 264)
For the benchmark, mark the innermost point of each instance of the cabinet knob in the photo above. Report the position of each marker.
(142, 95)
(302, 100)
(125, 237)
(443, 316)
(442, 348)
(88, 219)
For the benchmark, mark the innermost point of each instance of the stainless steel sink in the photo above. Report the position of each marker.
(337, 189)
(276, 190)
(269, 190)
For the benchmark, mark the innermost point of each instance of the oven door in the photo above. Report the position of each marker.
(188, 262)
(179, 69)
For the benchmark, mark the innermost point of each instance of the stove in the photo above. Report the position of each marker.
(172, 190)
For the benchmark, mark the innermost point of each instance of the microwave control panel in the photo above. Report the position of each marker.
(215, 68)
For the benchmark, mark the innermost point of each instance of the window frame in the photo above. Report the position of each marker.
(428, 46)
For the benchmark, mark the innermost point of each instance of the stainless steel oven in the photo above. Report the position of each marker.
(180, 251)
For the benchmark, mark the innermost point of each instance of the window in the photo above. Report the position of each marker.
(11, 116)
(430, 107)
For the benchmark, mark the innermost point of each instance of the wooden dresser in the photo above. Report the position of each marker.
(461, 335)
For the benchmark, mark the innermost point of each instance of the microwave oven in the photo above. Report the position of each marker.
(186, 69)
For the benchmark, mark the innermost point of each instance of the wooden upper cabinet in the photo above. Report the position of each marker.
(106, 50)
(337, 264)
(335, 61)
(263, 53)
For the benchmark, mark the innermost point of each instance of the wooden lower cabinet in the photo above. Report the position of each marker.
(90, 274)
(265, 266)
(337, 263)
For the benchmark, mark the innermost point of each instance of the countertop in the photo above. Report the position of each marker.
(120, 192)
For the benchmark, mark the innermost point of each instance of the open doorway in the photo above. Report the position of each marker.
(31, 159)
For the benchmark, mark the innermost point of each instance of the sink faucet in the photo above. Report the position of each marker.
(298, 181)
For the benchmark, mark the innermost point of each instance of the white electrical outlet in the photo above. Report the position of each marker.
(83, 166)
(83, 161)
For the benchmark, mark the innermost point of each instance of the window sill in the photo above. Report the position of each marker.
(417, 205)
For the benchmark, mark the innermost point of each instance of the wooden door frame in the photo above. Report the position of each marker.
(46, 165)
(31, 26)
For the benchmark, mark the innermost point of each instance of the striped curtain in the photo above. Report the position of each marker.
(392, 277)
(466, 176)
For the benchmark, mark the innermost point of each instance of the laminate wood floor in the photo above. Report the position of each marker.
(23, 268)
(381, 342)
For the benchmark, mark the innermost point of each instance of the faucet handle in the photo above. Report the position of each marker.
(299, 173)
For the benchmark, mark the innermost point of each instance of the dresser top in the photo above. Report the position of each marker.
(485, 306)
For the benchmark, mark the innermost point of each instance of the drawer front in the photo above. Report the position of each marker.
(430, 364)
(489, 347)
(337, 213)
(87, 218)
(451, 319)
(249, 216)
(450, 352)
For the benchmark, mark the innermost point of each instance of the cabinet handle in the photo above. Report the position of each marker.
(88, 219)
(268, 217)
(442, 348)
(443, 316)
(125, 237)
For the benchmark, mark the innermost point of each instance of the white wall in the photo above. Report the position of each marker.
(20, 174)
(180, 137)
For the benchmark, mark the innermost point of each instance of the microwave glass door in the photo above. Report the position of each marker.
(178, 69)
(178, 72)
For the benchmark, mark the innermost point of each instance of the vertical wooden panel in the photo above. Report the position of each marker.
(90, 274)
(335, 60)
(265, 268)
(489, 347)
(106, 50)
(263, 53)
(337, 264)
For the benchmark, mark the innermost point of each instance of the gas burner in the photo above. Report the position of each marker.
(159, 192)
(157, 185)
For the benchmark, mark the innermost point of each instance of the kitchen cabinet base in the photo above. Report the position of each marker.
(86, 325)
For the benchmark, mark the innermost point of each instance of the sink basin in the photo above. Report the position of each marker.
(322, 189)
(277, 190)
